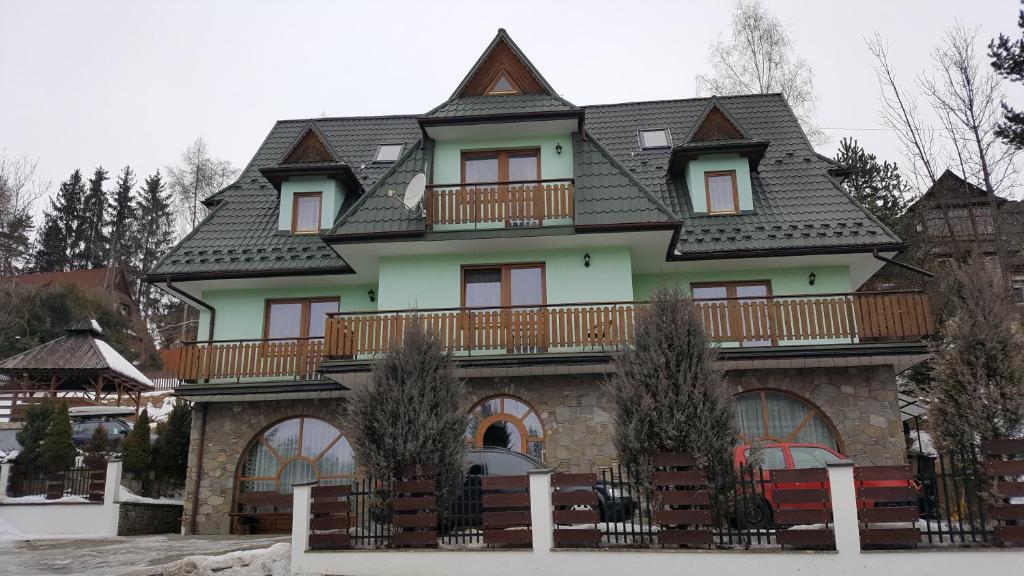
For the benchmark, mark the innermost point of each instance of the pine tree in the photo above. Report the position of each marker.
(978, 367)
(1008, 61)
(667, 394)
(32, 432)
(60, 238)
(411, 411)
(137, 451)
(156, 231)
(878, 187)
(94, 240)
(58, 452)
(51, 251)
(122, 217)
(98, 448)
(170, 450)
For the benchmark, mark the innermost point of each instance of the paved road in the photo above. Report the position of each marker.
(114, 556)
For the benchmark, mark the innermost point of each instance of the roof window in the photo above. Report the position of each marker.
(502, 84)
(654, 138)
(388, 153)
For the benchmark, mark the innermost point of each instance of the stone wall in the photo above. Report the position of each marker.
(134, 519)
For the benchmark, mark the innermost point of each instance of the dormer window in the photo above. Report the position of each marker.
(654, 139)
(722, 193)
(388, 153)
(306, 212)
(502, 85)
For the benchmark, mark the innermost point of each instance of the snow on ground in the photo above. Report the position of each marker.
(40, 499)
(126, 495)
(273, 561)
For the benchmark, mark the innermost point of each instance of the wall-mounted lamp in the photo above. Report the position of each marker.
(558, 148)
(811, 278)
(586, 259)
(372, 294)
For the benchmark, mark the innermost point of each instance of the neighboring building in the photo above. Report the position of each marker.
(541, 224)
(111, 281)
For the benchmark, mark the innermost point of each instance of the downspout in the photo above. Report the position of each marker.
(187, 297)
(899, 264)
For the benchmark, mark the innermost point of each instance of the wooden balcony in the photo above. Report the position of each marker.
(499, 205)
(879, 317)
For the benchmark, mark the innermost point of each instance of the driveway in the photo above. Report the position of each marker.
(114, 556)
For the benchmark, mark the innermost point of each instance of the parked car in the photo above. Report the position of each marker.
(86, 419)
(757, 511)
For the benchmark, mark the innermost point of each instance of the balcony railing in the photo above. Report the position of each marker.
(876, 317)
(499, 204)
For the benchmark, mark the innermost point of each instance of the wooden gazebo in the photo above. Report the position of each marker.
(79, 365)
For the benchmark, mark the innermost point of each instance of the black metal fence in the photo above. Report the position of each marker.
(953, 500)
(83, 482)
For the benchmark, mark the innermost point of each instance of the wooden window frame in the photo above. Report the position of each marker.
(731, 297)
(491, 91)
(304, 320)
(502, 155)
(815, 410)
(735, 192)
(506, 286)
(295, 211)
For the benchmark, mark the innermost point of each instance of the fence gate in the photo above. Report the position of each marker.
(683, 499)
(506, 510)
(575, 503)
(802, 497)
(414, 508)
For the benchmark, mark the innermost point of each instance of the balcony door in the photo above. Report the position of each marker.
(505, 303)
(736, 311)
(305, 318)
(503, 184)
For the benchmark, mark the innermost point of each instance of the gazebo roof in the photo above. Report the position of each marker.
(81, 359)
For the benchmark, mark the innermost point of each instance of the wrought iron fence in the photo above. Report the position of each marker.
(85, 482)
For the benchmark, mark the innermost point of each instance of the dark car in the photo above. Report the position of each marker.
(467, 509)
(84, 424)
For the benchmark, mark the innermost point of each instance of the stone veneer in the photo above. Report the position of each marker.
(134, 519)
(860, 401)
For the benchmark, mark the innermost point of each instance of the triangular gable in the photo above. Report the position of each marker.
(310, 147)
(715, 125)
(502, 59)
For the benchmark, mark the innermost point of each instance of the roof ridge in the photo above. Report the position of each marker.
(669, 100)
(368, 117)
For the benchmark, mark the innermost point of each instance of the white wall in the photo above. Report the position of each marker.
(78, 519)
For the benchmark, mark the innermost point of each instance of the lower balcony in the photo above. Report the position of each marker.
(757, 323)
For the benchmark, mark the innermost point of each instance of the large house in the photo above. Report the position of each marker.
(527, 231)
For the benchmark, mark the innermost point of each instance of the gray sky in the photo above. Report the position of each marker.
(134, 82)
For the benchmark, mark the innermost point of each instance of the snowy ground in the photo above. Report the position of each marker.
(165, 555)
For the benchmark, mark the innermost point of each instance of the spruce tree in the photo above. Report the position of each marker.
(122, 217)
(60, 238)
(51, 250)
(667, 394)
(94, 206)
(98, 448)
(137, 452)
(156, 231)
(32, 432)
(1008, 61)
(879, 187)
(170, 450)
(58, 452)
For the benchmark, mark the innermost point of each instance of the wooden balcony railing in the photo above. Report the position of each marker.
(883, 317)
(514, 204)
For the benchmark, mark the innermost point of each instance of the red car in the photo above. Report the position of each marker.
(757, 512)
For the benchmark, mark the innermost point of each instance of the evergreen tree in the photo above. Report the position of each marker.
(98, 448)
(33, 431)
(1008, 61)
(667, 394)
(878, 187)
(19, 188)
(978, 367)
(51, 251)
(94, 240)
(122, 217)
(137, 451)
(58, 452)
(60, 238)
(170, 450)
(156, 231)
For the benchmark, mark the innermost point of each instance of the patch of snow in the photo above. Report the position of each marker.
(119, 364)
(39, 499)
(126, 495)
(6, 457)
(273, 561)
(926, 445)
(160, 413)
(8, 532)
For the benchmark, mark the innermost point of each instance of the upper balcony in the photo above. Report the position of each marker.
(764, 324)
(495, 205)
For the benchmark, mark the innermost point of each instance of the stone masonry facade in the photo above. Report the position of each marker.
(860, 401)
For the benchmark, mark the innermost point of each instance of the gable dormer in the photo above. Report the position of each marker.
(716, 160)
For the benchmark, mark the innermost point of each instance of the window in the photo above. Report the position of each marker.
(500, 166)
(767, 415)
(809, 457)
(520, 285)
(728, 319)
(388, 152)
(506, 422)
(306, 213)
(298, 318)
(654, 138)
(722, 194)
(770, 458)
(502, 85)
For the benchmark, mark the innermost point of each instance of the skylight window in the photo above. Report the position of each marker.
(654, 138)
(388, 153)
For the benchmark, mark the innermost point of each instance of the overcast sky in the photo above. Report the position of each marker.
(134, 82)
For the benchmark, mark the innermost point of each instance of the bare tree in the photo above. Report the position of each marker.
(758, 58)
(193, 180)
(20, 187)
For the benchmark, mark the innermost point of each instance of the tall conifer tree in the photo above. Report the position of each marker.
(156, 230)
(60, 237)
(94, 206)
(122, 215)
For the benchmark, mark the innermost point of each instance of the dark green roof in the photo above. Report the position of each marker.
(475, 106)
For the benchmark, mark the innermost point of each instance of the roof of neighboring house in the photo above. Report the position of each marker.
(951, 187)
(102, 278)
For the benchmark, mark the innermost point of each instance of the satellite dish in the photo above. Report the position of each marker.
(414, 191)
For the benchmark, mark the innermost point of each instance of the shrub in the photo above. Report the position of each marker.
(58, 452)
(97, 450)
(33, 431)
(170, 450)
(136, 451)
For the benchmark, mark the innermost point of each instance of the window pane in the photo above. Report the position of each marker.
(318, 312)
(307, 212)
(526, 287)
(811, 457)
(483, 288)
(481, 169)
(503, 85)
(654, 138)
(721, 194)
(504, 435)
(285, 320)
(522, 168)
(388, 153)
(709, 292)
(772, 459)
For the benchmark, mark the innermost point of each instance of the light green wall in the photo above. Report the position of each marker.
(240, 312)
(333, 195)
(448, 155)
(695, 179)
(435, 281)
(784, 281)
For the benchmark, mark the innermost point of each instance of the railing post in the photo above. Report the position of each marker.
(844, 507)
(542, 522)
(302, 499)
(5, 479)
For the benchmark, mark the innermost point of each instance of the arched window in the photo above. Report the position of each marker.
(774, 416)
(506, 422)
(296, 450)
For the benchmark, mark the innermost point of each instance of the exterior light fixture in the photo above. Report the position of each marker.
(811, 278)
(586, 259)
(372, 294)
(558, 148)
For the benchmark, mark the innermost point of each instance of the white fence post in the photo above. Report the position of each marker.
(302, 501)
(541, 518)
(844, 507)
(5, 477)
(112, 482)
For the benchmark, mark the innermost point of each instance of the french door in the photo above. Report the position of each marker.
(505, 184)
(736, 311)
(504, 307)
